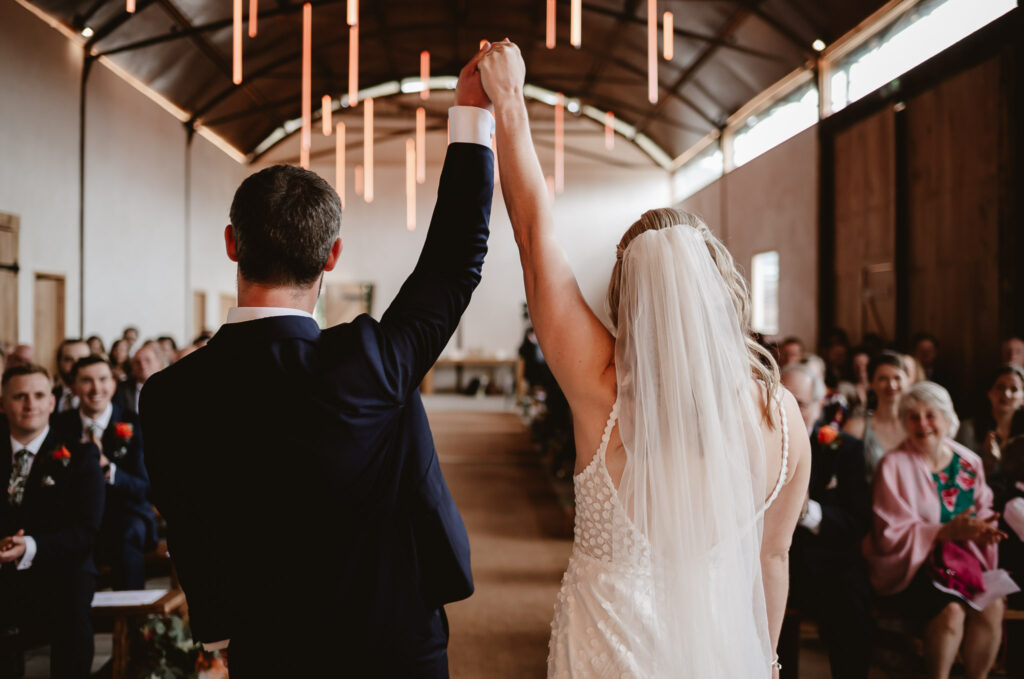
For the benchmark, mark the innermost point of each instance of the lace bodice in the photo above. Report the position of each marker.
(603, 530)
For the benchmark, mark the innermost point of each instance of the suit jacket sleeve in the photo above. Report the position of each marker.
(848, 520)
(184, 491)
(131, 477)
(75, 540)
(425, 313)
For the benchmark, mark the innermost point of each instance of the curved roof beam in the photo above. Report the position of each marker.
(530, 91)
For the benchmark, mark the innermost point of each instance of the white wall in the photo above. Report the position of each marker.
(135, 207)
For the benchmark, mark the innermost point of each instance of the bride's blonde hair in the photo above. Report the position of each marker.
(763, 367)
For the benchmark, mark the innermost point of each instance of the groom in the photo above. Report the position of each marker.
(306, 512)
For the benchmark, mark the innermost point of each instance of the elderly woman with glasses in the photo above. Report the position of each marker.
(934, 537)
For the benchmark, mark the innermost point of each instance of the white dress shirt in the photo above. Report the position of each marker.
(466, 125)
(101, 422)
(32, 447)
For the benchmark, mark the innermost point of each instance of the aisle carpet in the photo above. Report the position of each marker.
(519, 540)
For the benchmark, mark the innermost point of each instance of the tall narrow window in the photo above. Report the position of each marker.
(764, 285)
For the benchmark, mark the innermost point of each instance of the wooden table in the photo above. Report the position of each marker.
(125, 615)
(489, 363)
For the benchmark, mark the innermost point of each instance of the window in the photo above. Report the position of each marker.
(764, 284)
(917, 35)
(700, 171)
(783, 120)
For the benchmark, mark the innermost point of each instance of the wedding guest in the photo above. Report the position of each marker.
(828, 575)
(128, 530)
(68, 352)
(925, 348)
(202, 338)
(858, 388)
(3, 358)
(836, 353)
(22, 354)
(934, 535)
(1012, 351)
(790, 351)
(48, 524)
(881, 429)
(148, 360)
(120, 359)
(96, 345)
(131, 335)
(987, 433)
(169, 347)
(915, 372)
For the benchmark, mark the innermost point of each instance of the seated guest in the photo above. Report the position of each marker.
(120, 359)
(169, 347)
(934, 537)
(790, 351)
(21, 354)
(857, 389)
(1011, 504)
(1012, 351)
(881, 428)
(129, 527)
(828, 575)
(987, 433)
(148, 360)
(48, 524)
(130, 335)
(915, 371)
(69, 351)
(96, 345)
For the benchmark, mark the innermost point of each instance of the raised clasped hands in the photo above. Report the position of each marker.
(503, 73)
(12, 547)
(966, 528)
(469, 91)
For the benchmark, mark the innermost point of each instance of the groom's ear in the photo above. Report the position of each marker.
(229, 243)
(332, 259)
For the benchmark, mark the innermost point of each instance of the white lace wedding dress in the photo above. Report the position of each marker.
(604, 615)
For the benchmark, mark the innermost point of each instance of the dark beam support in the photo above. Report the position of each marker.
(780, 28)
(115, 23)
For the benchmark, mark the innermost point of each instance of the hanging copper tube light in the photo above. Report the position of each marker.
(254, 10)
(609, 130)
(668, 36)
(352, 13)
(652, 51)
(325, 114)
(549, 32)
(560, 143)
(421, 145)
(236, 40)
(353, 65)
(307, 88)
(576, 23)
(339, 162)
(425, 74)
(368, 150)
(129, 6)
(410, 184)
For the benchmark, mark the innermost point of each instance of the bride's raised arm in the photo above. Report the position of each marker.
(576, 345)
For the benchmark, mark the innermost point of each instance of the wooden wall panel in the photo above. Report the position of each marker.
(957, 148)
(865, 220)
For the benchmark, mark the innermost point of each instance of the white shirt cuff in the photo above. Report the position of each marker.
(812, 519)
(1013, 513)
(470, 125)
(216, 645)
(30, 554)
(113, 470)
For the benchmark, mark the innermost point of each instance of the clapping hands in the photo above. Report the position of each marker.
(12, 548)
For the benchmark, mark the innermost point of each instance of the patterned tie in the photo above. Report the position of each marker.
(19, 477)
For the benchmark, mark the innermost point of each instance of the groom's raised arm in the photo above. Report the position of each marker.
(426, 311)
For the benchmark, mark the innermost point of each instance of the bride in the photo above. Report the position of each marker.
(688, 484)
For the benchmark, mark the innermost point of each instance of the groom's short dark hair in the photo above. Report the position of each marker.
(284, 220)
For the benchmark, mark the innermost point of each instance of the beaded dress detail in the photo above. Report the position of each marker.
(610, 562)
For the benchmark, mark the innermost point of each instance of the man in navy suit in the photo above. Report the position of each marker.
(828, 574)
(306, 511)
(129, 526)
(49, 518)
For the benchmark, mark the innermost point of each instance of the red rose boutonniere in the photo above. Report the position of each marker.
(124, 430)
(62, 455)
(828, 436)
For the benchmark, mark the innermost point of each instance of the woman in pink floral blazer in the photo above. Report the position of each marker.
(934, 536)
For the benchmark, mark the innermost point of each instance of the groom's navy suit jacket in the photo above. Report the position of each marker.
(306, 512)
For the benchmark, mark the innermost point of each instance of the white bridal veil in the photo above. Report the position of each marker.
(694, 480)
